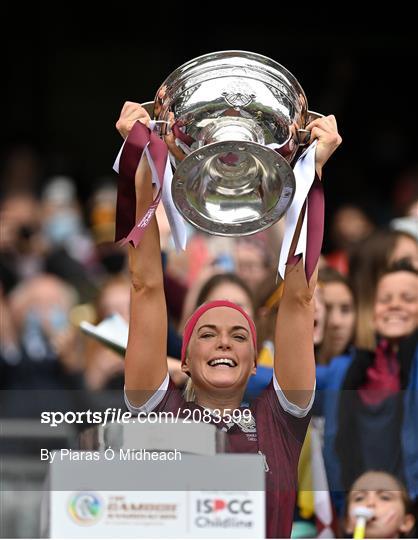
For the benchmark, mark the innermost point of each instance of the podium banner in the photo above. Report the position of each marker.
(196, 496)
(172, 514)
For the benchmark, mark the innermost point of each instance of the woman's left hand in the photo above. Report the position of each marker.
(170, 141)
(326, 132)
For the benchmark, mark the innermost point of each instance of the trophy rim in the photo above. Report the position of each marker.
(177, 76)
(246, 228)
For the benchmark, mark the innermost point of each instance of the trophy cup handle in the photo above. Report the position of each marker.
(303, 134)
(149, 107)
(162, 127)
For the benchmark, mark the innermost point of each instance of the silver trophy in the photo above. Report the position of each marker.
(240, 119)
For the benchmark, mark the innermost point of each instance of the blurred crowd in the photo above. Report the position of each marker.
(59, 266)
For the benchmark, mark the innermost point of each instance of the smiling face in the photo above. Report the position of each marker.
(396, 305)
(381, 494)
(221, 353)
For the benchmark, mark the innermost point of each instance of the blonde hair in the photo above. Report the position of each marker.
(365, 331)
(189, 393)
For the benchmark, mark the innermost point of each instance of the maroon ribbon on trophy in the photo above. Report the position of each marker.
(315, 226)
(139, 139)
(315, 215)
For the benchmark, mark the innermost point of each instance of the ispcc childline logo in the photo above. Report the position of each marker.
(85, 508)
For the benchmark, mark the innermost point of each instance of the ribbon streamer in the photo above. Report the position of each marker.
(309, 190)
(143, 141)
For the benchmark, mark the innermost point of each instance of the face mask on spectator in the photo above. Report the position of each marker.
(35, 338)
(62, 226)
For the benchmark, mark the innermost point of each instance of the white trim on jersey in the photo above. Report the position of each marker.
(289, 407)
(153, 401)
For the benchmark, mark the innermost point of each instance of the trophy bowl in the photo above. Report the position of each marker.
(240, 119)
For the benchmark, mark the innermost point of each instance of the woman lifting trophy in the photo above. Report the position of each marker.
(232, 125)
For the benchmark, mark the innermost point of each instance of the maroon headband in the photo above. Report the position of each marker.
(191, 323)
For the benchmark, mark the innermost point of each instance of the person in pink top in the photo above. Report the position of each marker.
(219, 349)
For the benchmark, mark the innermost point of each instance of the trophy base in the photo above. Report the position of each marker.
(233, 188)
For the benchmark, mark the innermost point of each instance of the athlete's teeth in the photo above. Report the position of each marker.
(217, 361)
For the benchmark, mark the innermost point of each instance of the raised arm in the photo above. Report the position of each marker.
(294, 361)
(146, 354)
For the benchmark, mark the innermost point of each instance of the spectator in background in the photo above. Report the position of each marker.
(379, 394)
(253, 260)
(62, 219)
(349, 226)
(33, 240)
(407, 244)
(266, 320)
(340, 315)
(22, 245)
(387, 500)
(49, 361)
(101, 210)
(114, 298)
(368, 261)
(336, 376)
(70, 247)
(104, 367)
(110, 258)
(41, 312)
(227, 286)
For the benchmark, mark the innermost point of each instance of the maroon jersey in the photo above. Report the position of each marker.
(276, 434)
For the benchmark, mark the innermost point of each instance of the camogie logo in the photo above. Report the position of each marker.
(85, 508)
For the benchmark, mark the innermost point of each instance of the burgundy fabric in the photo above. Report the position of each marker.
(315, 226)
(191, 323)
(315, 208)
(278, 435)
(175, 294)
(138, 139)
(179, 134)
(383, 376)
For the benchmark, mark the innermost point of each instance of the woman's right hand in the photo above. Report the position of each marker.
(131, 113)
